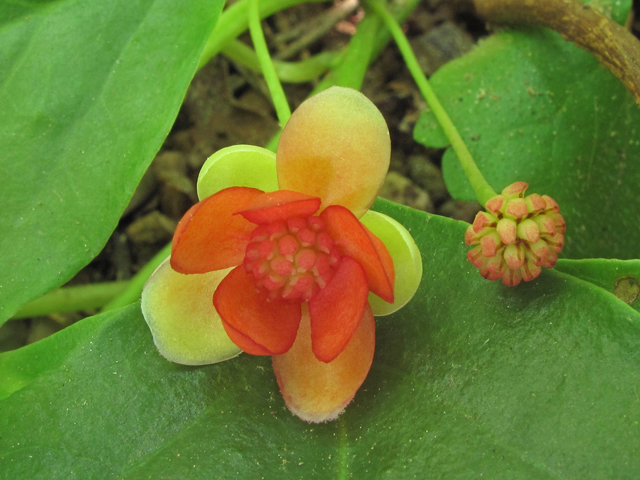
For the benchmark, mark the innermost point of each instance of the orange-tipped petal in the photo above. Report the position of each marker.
(316, 391)
(209, 236)
(384, 255)
(335, 146)
(406, 260)
(243, 342)
(337, 309)
(279, 205)
(185, 326)
(353, 240)
(272, 325)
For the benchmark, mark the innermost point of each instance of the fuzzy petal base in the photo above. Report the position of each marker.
(185, 326)
(316, 391)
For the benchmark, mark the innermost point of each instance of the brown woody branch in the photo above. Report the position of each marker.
(616, 48)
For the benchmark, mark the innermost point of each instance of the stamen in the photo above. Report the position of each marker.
(315, 223)
(288, 245)
(305, 259)
(297, 224)
(307, 237)
(324, 242)
(266, 249)
(276, 230)
(293, 260)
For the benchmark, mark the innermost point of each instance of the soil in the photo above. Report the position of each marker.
(228, 104)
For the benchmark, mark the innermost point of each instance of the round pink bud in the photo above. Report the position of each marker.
(516, 236)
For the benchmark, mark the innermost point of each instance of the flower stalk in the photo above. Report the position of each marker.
(481, 187)
(275, 87)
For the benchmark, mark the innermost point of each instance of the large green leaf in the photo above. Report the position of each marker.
(89, 90)
(472, 379)
(619, 277)
(533, 107)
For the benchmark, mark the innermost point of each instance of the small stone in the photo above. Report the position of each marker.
(429, 177)
(440, 45)
(460, 210)
(400, 189)
(177, 190)
(152, 228)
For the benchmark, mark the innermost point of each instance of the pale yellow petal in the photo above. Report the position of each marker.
(184, 323)
(238, 166)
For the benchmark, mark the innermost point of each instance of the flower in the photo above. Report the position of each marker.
(290, 271)
(516, 236)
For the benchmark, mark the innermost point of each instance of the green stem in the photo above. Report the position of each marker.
(260, 44)
(482, 189)
(365, 45)
(71, 299)
(234, 20)
(359, 54)
(290, 72)
(134, 286)
(105, 296)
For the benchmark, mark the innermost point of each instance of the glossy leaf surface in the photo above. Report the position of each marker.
(89, 91)
(470, 379)
(532, 107)
(619, 277)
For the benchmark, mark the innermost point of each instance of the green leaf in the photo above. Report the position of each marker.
(471, 379)
(619, 277)
(617, 10)
(89, 90)
(535, 108)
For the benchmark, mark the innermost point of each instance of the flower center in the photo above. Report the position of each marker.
(292, 259)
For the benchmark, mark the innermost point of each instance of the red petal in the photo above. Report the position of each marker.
(244, 342)
(280, 205)
(316, 391)
(209, 237)
(353, 240)
(385, 256)
(271, 325)
(337, 309)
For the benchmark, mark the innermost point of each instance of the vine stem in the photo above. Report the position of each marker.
(234, 20)
(71, 299)
(105, 296)
(291, 72)
(134, 286)
(615, 47)
(480, 186)
(259, 43)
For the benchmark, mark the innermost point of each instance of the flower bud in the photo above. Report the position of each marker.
(516, 236)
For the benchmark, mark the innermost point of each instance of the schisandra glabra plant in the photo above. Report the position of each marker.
(288, 272)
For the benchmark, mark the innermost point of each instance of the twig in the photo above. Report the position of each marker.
(616, 48)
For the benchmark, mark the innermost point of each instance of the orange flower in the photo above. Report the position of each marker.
(303, 263)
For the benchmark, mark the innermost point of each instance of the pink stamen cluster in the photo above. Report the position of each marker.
(293, 260)
(516, 236)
